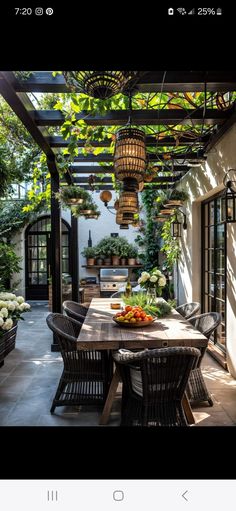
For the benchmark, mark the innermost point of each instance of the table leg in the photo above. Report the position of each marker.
(188, 410)
(110, 398)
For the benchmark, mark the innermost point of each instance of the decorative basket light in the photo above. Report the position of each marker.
(98, 84)
(167, 212)
(130, 154)
(124, 219)
(128, 202)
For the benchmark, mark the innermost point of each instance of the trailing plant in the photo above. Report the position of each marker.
(147, 239)
(170, 247)
(178, 195)
(13, 217)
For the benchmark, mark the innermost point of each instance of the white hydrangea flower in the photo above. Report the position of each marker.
(162, 281)
(24, 307)
(153, 278)
(8, 324)
(2, 303)
(1, 321)
(10, 306)
(20, 299)
(4, 312)
(145, 276)
(27, 306)
(16, 304)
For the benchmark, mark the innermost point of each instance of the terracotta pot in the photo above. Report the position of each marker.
(90, 261)
(115, 260)
(131, 261)
(123, 261)
(74, 202)
(107, 261)
(99, 261)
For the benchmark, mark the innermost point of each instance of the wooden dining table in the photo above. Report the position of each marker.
(100, 332)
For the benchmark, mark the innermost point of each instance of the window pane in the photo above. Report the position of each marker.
(220, 259)
(211, 237)
(32, 253)
(220, 236)
(211, 284)
(42, 252)
(33, 265)
(65, 252)
(65, 266)
(211, 207)
(65, 241)
(33, 278)
(42, 265)
(42, 240)
(42, 278)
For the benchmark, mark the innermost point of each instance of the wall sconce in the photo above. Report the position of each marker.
(176, 226)
(228, 201)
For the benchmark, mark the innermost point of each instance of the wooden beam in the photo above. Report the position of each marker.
(74, 258)
(161, 179)
(152, 81)
(139, 117)
(23, 108)
(104, 157)
(221, 131)
(151, 141)
(110, 187)
(109, 169)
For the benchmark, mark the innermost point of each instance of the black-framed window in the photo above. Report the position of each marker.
(214, 265)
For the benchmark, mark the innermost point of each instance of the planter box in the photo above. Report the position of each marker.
(7, 343)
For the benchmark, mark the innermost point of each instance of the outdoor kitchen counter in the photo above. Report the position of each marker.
(100, 332)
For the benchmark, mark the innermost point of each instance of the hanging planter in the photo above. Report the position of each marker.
(98, 84)
(130, 154)
(89, 210)
(72, 195)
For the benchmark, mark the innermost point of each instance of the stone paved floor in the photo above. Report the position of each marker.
(29, 378)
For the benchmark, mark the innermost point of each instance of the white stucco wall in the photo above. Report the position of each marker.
(104, 226)
(201, 183)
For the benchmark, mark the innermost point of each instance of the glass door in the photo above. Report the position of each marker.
(214, 265)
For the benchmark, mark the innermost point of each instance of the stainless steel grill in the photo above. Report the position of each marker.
(112, 279)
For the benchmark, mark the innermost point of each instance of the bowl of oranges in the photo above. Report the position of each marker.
(133, 316)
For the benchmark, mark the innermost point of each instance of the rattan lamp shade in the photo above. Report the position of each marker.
(124, 219)
(98, 84)
(130, 154)
(128, 202)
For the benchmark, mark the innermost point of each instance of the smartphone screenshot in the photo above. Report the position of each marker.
(117, 256)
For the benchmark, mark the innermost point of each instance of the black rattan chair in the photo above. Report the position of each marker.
(197, 390)
(154, 382)
(75, 310)
(187, 310)
(87, 374)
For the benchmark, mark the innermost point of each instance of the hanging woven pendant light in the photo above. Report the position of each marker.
(128, 203)
(124, 219)
(98, 84)
(130, 154)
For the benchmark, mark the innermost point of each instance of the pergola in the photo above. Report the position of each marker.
(14, 91)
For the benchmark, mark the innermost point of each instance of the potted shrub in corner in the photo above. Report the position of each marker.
(11, 309)
(89, 253)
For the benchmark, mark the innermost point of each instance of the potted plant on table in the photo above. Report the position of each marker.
(153, 281)
(11, 309)
(90, 254)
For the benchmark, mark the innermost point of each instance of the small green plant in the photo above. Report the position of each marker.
(179, 195)
(89, 252)
(72, 192)
(9, 264)
(132, 252)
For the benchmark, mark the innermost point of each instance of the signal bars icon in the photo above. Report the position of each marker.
(192, 11)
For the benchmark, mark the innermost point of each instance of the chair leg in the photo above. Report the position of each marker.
(196, 389)
(52, 407)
